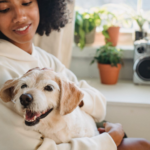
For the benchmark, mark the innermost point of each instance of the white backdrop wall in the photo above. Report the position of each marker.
(92, 3)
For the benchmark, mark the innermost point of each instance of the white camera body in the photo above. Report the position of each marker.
(141, 67)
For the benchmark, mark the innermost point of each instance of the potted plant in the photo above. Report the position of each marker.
(140, 21)
(85, 26)
(109, 60)
(140, 17)
(110, 27)
(111, 34)
(113, 17)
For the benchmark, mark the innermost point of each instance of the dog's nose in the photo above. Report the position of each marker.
(26, 99)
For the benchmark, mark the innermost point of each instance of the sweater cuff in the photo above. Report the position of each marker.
(106, 140)
(99, 142)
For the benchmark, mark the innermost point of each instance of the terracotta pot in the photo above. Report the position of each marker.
(114, 35)
(109, 74)
(90, 37)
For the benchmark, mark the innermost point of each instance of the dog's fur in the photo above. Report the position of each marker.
(66, 120)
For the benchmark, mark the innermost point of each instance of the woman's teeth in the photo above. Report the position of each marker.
(22, 29)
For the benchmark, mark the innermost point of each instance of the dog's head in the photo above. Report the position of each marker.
(39, 92)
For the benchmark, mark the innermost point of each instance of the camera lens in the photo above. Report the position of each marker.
(143, 68)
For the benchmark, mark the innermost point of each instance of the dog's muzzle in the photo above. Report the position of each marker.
(31, 117)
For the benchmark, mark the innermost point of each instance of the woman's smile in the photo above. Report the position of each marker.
(23, 29)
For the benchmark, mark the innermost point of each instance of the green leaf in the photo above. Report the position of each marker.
(108, 54)
(105, 33)
(105, 27)
(92, 61)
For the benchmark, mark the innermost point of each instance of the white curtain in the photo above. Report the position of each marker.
(59, 43)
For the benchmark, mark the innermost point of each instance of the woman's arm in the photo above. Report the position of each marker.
(100, 142)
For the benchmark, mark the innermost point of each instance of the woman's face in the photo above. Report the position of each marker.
(19, 20)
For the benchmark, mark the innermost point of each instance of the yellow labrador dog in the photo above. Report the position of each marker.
(50, 104)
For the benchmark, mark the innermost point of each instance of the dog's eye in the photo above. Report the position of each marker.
(48, 88)
(24, 86)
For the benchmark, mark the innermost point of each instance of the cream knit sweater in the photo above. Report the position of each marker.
(14, 62)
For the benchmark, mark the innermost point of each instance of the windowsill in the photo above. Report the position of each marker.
(90, 50)
(124, 92)
(122, 30)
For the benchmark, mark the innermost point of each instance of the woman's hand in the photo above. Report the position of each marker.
(114, 130)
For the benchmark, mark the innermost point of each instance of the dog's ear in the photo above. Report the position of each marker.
(70, 97)
(6, 92)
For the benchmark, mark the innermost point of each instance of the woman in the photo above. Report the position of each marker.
(19, 21)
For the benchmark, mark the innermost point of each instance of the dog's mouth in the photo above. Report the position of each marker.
(32, 118)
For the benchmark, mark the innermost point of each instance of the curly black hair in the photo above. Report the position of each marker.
(53, 16)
